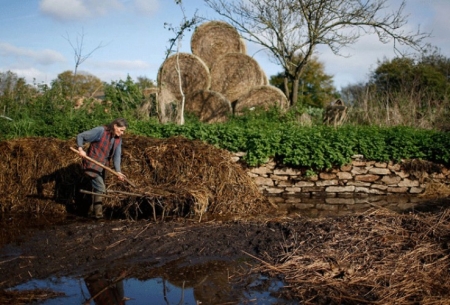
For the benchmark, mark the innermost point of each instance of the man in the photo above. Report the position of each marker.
(105, 143)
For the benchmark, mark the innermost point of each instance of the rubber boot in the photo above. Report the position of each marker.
(97, 207)
(91, 211)
(98, 210)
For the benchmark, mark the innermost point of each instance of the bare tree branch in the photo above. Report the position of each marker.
(291, 30)
(78, 53)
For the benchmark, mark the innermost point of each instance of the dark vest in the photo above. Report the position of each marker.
(100, 152)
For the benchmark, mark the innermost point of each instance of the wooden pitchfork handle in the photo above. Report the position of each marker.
(105, 167)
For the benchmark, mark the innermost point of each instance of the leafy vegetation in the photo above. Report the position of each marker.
(413, 91)
(383, 124)
(261, 135)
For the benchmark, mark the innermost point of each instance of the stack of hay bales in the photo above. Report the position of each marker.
(218, 79)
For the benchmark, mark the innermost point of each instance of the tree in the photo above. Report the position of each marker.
(315, 88)
(410, 90)
(291, 30)
(145, 82)
(425, 77)
(79, 55)
(14, 93)
(124, 95)
(80, 85)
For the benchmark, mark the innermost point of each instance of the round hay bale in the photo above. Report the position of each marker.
(213, 39)
(168, 104)
(208, 106)
(262, 96)
(193, 72)
(234, 73)
(243, 47)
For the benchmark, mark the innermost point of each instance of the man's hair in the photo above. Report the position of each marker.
(120, 122)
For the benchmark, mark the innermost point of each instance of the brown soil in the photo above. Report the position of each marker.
(37, 248)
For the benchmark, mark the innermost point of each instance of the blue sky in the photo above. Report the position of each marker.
(35, 35)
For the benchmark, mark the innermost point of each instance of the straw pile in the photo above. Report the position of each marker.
(377, 258)
(37, 175)
(208, 106)
(168, 106)
(173, 177)
(188, 68)
(263, 97)
(227, 72)
(234, 74)
(213, 39)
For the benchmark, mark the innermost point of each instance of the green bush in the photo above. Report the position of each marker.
(260, 134)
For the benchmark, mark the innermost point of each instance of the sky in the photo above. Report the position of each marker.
(128, 37)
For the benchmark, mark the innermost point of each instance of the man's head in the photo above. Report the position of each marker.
(118, 126)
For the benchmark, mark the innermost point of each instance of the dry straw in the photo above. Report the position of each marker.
(208, 106)
(37, 175)
(188, 68)
(379, 257)
(234, 73)
(168, 105)
(173, 177)
(213, 39)
(264, 97)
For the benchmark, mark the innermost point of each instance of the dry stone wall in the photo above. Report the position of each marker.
(359, 179)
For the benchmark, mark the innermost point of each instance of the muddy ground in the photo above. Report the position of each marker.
(38, 248)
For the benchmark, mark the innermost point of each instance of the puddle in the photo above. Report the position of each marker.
(341, 206)
(153, 291)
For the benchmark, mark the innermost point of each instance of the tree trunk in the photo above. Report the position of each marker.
(286, 86)
(294, 97)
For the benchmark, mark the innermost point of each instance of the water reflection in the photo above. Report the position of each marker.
(105, 290)
(341, 206)
(216, 282)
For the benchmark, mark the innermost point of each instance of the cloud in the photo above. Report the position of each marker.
(44, 57)
(32, 75)
(440, 23)
(146, 7)
(124, 65)
(72, 10)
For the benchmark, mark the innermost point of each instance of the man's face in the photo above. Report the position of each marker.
(118, 131)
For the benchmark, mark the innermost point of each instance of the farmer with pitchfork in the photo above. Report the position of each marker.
(105, 144)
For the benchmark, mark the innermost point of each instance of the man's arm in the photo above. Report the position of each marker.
(89, 136)
(117, 156)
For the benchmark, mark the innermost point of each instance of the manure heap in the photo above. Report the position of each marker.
(172, 177)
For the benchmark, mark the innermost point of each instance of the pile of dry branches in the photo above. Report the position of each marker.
(376, 258)
(173, 176)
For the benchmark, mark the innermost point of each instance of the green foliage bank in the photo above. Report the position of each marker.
(261, 136)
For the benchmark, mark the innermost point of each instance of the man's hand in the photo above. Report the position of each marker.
(121, 176)
(81, 152)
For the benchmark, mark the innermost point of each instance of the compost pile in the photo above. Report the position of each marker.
(171, 177)
(217, 80)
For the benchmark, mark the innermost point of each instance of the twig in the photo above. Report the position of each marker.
(264, 262)
(96, 194)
